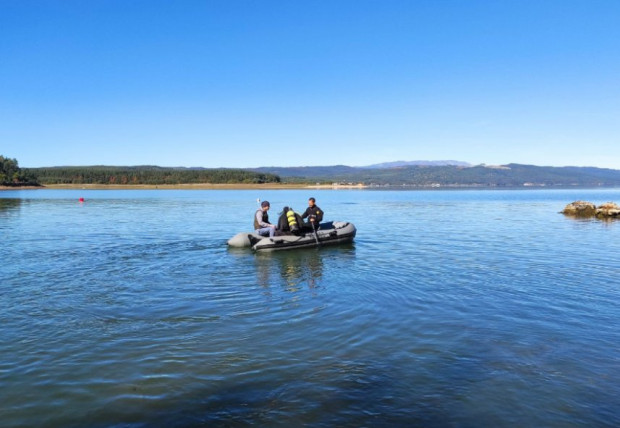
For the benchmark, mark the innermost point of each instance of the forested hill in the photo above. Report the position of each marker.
(148, 175)
(14, 176)
(512, 175)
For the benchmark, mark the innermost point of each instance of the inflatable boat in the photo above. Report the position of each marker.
(331, 233)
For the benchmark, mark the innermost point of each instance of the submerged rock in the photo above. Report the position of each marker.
(588, 209)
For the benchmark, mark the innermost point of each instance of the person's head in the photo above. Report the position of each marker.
(311, 202)
(264, 205)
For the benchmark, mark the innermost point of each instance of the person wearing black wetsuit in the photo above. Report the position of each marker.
(314, 215)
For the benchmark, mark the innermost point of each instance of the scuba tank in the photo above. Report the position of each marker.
(292, 221)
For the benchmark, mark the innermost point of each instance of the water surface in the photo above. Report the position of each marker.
(452, 308)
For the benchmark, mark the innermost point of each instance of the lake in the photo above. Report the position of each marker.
(453, 308)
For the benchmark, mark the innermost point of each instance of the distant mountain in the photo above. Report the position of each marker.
(398, 164)
(310, 172)
(344, 170)
(511, 175)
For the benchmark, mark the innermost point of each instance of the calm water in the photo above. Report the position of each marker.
(452, 309)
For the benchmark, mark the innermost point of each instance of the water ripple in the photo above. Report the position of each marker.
(451, 309)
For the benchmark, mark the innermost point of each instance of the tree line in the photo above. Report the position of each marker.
(510, 175)
(12, 175)
(153, 175)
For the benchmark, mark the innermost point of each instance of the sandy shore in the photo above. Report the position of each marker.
(202, 186)
(19, 188)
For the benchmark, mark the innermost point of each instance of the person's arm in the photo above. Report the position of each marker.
(319, 215)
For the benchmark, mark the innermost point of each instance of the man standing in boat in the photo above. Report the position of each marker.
(314, 214)
(261, 221)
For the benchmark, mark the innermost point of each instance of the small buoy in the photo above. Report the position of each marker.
(81, 199)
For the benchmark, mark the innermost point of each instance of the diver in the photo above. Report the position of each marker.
(289, 222)
(314, 214)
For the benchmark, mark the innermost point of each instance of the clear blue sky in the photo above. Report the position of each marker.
(284, 83)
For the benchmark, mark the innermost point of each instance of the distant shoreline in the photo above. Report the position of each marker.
(275, 186)
(200, 186)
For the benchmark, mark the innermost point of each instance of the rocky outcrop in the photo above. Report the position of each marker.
(580, 209)
(588, 209)
(608, 209)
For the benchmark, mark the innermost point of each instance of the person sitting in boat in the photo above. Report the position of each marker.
(289, 222)
(261, 221)
(314, 214)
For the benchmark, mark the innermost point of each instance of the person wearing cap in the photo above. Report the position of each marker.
(261, 221)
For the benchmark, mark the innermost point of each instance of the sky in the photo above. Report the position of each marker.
(249, 83)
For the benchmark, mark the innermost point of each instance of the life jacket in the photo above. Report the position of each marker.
(265, 219)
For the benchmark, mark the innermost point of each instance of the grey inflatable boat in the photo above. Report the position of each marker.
(330, 233)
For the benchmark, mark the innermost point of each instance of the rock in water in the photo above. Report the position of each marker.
(588, 209)
(580, 209)
(607, 210)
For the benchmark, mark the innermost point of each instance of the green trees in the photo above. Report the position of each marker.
(12, 175)
(153, 175)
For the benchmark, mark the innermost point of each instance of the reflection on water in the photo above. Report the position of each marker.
(295, 269)
(9, 204)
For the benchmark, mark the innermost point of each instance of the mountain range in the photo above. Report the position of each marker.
(416, 163)
(448, 174)
(400, 173)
